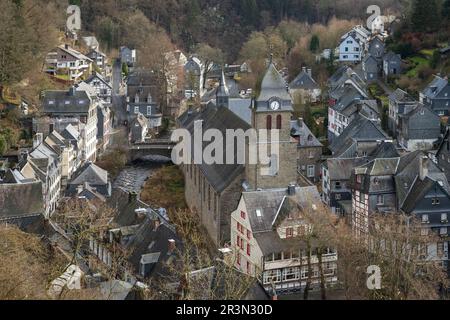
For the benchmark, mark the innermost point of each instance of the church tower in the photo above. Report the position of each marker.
(222, 94)
(272, 110)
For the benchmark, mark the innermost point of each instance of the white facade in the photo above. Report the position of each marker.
(350, 49)
(337, 122)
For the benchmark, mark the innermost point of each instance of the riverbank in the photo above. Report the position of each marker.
(165, 189)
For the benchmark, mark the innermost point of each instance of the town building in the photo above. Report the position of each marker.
(304, 88)
(400, 103)
(267, 231)
(68, 64)
(128, 56)
(392, 65)
(437, 95)
(144, 97)
(309, 150)
(94, 177)
(420, 129)
(61, 108)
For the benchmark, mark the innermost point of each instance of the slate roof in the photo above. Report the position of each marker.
(90, 173)
(435, 87)
(385, 150)
(98, 76)
(341, 169)
(273, 205)
(304, 81)
(408, 173)
(274, 85)
(429, 123)
(360, 129)
(269, 203)
(307, 139)
(218, 175)
(400, 96)
(241, 108)
(151, 240)
(60, 102)
(391, 57)
(21, 200)
(222, 90)
(74, 53)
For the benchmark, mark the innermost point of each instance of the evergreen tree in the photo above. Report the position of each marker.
(446, 10)
(250, 12)
(425, 15)
(314, 44)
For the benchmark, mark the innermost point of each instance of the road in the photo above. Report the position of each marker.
(118, 96)
(383, 86)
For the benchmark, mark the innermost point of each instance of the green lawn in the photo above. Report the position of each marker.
(418, 62)
(62, 77)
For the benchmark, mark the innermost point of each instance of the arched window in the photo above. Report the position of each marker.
(269, 122)
(279, 122)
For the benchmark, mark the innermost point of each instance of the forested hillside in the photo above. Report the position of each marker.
(225, 24)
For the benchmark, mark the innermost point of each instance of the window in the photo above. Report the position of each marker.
(243, 215)
(149, 110)
(238, 259)
(358, 178)
(269, 122)
(380, 199)
(291, 274)
(444, 217)
(337, 185)
(425, 218)
(440, 249)
(248, 249)
(311, 171)
(238, 241)
(337, 196)
(277, 256)
(289, 232)
(136, 110)
(248, 267)
(346, 49)
(279, 122)
(249, 235)
(424, 231)
(272, 276)
(304, 273)
(443, 231)
(435, 202)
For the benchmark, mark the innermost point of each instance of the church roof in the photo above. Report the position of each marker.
(273, 85)
(222, 90)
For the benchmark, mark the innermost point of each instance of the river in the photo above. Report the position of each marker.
(133, 177)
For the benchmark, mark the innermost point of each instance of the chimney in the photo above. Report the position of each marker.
(172, 246)
(37, 140)
(66, 46)
(309, 71)
(300, 122)
(72, 91)
(423, 168)
(132, 196)
(291, 190)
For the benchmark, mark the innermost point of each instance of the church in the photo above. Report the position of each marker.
(213, 191)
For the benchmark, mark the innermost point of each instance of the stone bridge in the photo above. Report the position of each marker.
(155, 147)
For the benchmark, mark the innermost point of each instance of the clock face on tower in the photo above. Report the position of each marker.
(275, 105)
